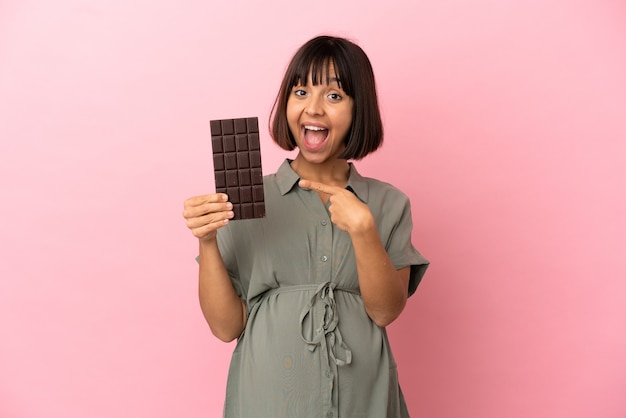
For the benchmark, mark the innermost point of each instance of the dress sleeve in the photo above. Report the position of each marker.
(399, 246)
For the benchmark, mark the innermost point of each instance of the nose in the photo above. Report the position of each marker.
(314, 105)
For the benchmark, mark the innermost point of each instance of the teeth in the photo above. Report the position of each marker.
(314, 128)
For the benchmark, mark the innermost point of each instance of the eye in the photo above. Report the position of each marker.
(335, 96)
(299, 92)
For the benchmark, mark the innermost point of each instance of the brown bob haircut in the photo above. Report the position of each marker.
(355, 77)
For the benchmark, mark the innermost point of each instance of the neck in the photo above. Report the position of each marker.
(332, 172)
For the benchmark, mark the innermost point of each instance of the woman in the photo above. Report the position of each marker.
(309, 289)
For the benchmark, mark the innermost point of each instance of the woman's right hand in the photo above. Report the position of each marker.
(206, 213)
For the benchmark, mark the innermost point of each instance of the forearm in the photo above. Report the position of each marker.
(383, 288)
(222, 307)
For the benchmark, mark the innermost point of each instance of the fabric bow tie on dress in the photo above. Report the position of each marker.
(319, 319)
(318, 328)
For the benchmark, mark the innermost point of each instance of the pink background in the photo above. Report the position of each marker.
(506, 125)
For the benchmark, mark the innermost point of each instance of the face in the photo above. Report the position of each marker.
(319, 118)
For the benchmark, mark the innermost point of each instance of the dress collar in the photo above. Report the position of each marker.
(287, 178)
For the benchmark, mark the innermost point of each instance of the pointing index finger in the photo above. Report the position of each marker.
(319, 187)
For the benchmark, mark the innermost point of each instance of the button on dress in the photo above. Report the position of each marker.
(309, 349)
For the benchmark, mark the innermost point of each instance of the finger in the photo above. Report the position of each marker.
(207, 198)
(212, 220)
(191, 212)
(209, 229)
(320, 187)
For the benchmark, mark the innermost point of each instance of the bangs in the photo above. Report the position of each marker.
(318, 64)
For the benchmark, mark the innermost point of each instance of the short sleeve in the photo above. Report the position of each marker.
(400, 247)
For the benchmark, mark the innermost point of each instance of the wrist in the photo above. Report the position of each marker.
(364, 226)
(207, 242)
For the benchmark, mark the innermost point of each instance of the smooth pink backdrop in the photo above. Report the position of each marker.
(505, 123)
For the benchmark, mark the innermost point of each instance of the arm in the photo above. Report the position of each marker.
(383, 288)
(222, 307)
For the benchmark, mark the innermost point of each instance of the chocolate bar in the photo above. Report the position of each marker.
(237, 165)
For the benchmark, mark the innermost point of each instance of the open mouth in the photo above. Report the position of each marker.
(314, 136)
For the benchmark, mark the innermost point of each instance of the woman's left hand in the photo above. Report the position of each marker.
(346, 210)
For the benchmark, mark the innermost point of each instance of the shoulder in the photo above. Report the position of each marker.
(382, 190)
(372, 190)
(377, 184)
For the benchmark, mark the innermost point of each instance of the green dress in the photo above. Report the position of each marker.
(309, 348)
